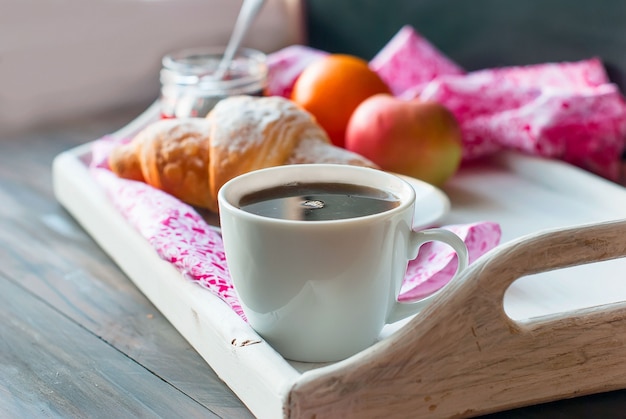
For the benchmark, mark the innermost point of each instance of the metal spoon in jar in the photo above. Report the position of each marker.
(247, 14)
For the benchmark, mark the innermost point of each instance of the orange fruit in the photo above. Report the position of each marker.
(332, 87)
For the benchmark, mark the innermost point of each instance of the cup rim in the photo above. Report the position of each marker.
(224, 201)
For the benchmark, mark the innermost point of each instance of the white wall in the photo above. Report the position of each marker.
(61, 58)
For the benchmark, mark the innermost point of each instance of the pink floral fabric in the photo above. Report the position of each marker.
(579, 117)
(176, 232)
(174, 229)
(409, 61)
(567, 110)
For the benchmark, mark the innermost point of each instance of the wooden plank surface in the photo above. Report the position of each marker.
(81, 308)
(54, 367)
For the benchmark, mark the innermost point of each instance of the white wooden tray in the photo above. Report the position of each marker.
(538, 318)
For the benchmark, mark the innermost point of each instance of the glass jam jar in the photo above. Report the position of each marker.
(190, 89)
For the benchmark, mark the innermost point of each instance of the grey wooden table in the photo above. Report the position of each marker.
(78, 340)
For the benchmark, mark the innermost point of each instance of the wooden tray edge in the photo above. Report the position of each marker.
(255, 372)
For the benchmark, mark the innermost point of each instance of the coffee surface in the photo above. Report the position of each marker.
(318, 201)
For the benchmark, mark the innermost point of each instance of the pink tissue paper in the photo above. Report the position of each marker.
(568, 111)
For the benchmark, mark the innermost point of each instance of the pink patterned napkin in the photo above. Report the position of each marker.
(180, 236)
(409, 61)
(174, 229)
(568, 111)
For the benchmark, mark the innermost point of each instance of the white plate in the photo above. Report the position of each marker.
(431, 203)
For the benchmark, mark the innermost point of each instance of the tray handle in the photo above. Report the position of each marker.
(463, 355)
(490, 277)
(479, 294)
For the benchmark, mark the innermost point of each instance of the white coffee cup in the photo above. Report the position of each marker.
(320, 291)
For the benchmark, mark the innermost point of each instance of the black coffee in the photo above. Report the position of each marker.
(318, 201)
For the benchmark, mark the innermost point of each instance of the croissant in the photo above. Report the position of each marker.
(191, 158)
(171, 155)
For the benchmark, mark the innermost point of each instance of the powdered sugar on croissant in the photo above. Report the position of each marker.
(316, 150)
(251, 133)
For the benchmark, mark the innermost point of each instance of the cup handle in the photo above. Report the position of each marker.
(401, 310)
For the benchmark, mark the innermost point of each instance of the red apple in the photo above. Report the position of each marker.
(411, 137)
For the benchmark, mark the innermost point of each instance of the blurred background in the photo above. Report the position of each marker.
(67, 58)
(62, 58)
